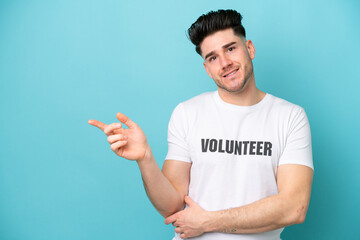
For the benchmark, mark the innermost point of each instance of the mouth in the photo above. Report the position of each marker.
(231, 73)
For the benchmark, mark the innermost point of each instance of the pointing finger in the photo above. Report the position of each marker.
(124, 119)
(110, 128)
(97, 124)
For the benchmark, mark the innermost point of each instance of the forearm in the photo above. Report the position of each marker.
(264, 215)
(160, 191)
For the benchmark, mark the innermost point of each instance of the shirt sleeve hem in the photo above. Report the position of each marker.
(177, 158)
(297, 163)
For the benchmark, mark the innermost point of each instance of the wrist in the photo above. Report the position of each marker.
(210, 222)
(147, 155)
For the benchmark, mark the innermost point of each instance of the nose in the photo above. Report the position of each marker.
(225, 61)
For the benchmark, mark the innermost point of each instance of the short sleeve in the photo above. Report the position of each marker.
(298, 148)
(178, 148)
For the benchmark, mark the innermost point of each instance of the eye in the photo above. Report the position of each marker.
(212, 58)
(231, 48)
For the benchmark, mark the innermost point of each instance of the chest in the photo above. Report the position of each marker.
(241, 136)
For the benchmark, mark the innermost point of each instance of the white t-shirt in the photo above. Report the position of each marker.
(235, 151)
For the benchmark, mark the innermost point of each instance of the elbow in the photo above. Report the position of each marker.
(299, 215)
(299, 219)
(168, 213)
(294, 210)
(171, 211)
(293, 213)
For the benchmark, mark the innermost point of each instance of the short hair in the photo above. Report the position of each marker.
(212, 22)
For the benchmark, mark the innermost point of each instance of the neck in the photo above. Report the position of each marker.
(248, 96)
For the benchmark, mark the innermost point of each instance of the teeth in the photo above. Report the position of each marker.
(230, 74)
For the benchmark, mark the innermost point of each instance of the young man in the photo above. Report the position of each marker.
(239, 159)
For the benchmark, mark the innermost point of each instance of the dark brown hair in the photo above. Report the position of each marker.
(212, 22)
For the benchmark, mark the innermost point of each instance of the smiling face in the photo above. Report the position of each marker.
(228, 60)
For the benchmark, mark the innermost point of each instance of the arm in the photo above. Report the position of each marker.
(166, 189)
(287, 207)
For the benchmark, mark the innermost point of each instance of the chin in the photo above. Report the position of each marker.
(234, 89)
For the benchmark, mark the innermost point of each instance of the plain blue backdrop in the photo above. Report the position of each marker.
(64, 62)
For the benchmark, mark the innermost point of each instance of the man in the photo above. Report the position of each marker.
(239, 160)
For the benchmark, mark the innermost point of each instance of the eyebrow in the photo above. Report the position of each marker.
(225, 46)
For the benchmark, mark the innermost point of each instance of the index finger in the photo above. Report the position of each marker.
(97, 124)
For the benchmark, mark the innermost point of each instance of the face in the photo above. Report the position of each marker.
(228, 60)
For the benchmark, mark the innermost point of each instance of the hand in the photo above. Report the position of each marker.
(127, 143)
(189, 222)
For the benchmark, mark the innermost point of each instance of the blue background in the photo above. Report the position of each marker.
(64, 62)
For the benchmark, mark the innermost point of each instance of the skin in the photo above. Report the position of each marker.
(223, 53)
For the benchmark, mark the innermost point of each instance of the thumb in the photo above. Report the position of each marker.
(124, 119)
(189, 201)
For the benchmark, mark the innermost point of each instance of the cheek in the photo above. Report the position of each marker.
(210, 71)
(246, 61)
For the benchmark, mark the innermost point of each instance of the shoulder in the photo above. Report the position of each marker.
(287, 113)
(283, 106)
(196, 102)
(199, 99)
(193, 104)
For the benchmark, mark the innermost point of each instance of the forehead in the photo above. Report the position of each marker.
(218, 39)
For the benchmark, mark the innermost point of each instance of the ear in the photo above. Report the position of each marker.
(251, 49)
(207, 70)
